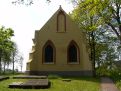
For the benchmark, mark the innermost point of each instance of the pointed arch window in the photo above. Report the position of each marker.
(49, 52)
(73, 53)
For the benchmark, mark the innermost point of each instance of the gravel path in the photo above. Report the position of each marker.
(107, 84)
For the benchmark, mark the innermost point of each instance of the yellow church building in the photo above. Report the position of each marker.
(59, 48)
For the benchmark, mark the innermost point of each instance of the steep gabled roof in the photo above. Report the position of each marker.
(60, 10)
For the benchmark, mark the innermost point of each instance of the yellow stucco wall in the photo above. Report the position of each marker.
(61, 41)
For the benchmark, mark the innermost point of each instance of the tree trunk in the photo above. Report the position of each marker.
(93, 47)
(21, 68)
(4, 68)
(13, 63)
(13, 66)
(0, 61)
(93, 53)
(0, 66)
(120, 38)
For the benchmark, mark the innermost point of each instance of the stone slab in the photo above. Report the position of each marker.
(3, 78)
(66, 80)
(29, 77)
(31, 84)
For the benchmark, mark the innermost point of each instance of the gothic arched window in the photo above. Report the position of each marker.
(49, 52)
(73, 53)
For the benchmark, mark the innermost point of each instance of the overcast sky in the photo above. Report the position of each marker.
(24, 20)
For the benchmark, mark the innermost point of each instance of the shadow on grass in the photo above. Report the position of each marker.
(91, 79)
(82, 78)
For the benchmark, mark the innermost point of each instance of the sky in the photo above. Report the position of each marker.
(24, 20)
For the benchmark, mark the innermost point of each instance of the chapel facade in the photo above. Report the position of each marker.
(59, 48)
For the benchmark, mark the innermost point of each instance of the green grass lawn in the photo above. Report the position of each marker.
(76, 84)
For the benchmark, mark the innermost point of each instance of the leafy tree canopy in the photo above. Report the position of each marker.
(6, 44)
(108, 12)
(26, 2)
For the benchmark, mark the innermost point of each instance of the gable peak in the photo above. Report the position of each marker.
(60, 7)
(61, 11)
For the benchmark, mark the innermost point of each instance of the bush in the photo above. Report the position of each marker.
(116, 75)
(102, 72)
(113, 73)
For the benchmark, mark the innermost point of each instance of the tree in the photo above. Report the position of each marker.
(21, 62)
(26, 2)
(98, 33)
(14, 55)
(88, 24)
(119, 52)
(108, 12)
(5, 44)
(6, 59)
